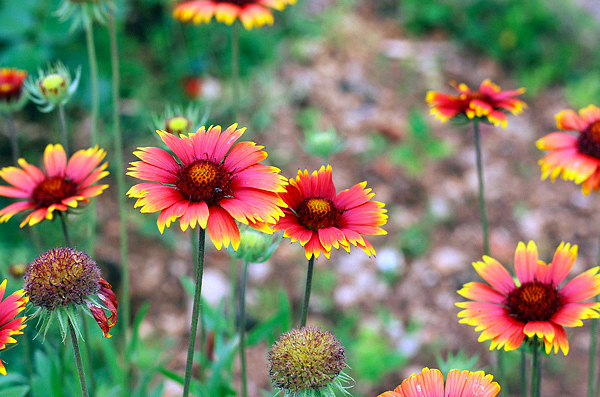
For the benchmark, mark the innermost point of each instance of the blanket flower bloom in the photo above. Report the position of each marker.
(62, 185)
(62, 278)
(10, 325)
(506, 312)
(12, 95)
(321, 219)
(489, 103)
(574, 158)
(251, 13)
(212, 182)
(430, 383)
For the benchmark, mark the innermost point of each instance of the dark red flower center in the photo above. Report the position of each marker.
(533, 301)
(53, 190)
(318, 213)
(205, 181)
(589, 140)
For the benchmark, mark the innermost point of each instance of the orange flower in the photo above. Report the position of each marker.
(250, 12)
(321, 219)
(430, 383)
(574, 158)
(212, 182)
(9, 325)
(506, 312)
(63, 184)
(488, 103)
(12, 96)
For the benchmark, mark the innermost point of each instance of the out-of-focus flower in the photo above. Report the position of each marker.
(82, 12)
(10, 324)
(177, 121)
(61, 279)
(574, 158)
(53, 87)
(212, 182)
(12, 95)
(62, 185)
(488, 103)
(308, 361)
(322, 219)
(251, 13)
(430, 383)
(506, 312)
(323, 144)
(255, 246)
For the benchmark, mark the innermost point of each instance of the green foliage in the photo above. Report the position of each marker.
(459, 360)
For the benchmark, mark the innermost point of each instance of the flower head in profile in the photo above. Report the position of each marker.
(10, 324)
(489, 103)
(430, 383)
(308, 361)
(177, 120)
(12, 95)
(322, 219)
(574, 157)
(53, 86)
(212, 181)
(62, 185)
(251, 13)
(61, 279)
(507, 311)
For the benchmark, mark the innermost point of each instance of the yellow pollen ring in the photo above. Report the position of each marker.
(318, 206)
(202, 173)
(533, 294)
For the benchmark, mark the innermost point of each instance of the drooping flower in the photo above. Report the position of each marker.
(61, 279)
(62, 185)
(506, 311)
(212, 182)
(322, 220)
(430, 383)
(574, 158)
(53, 86)
(10, 324)
(12, 96)
(488, 103)
(251, 13)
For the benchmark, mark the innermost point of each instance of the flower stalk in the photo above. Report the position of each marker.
(12, 136)
(242, 326)
(78, 361)
(307, 289)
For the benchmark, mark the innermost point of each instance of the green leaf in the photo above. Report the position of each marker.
(15, 391)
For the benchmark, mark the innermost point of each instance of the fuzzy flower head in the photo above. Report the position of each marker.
(430, 383)
(212, 181)
(12, 95)
(178, 121)
(507, 311)
(574, 157)
(61, 279)
(308, 361)
(61, 186)
(489, 103)
(251, 13)
(322, 219)
(53, 87)
(10, 324)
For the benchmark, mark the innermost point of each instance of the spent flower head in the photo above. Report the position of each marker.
(61, 280)
(308, 361)
(12, 95)
(53, 86)
(10, 324)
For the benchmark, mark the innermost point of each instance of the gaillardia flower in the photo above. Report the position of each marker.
(251, 13)
(61, 279)
(212, 182)
(308, 361)
(488, 103)
(506, 311)
(12, 97)
(9, 325)
(574, 158)
(321, 219)
(62, 185)
(430, 383)
(53, 87)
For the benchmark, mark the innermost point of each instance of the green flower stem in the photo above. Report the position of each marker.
(65, 230)
(536, 370)
(64, 132)
(88, 352)
(12, 135)
(243, 327)
(523, 373)
(235, 68)
(80, 370)
(195, 313)
(309, 274)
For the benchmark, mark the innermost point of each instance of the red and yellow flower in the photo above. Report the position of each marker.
(506, 311)
(574, 158)
(489, 103)
(10, 325)
(212, 182)
(12, 97)
(321, 219)
(430, 383)
(63, 185)
(251, 13)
